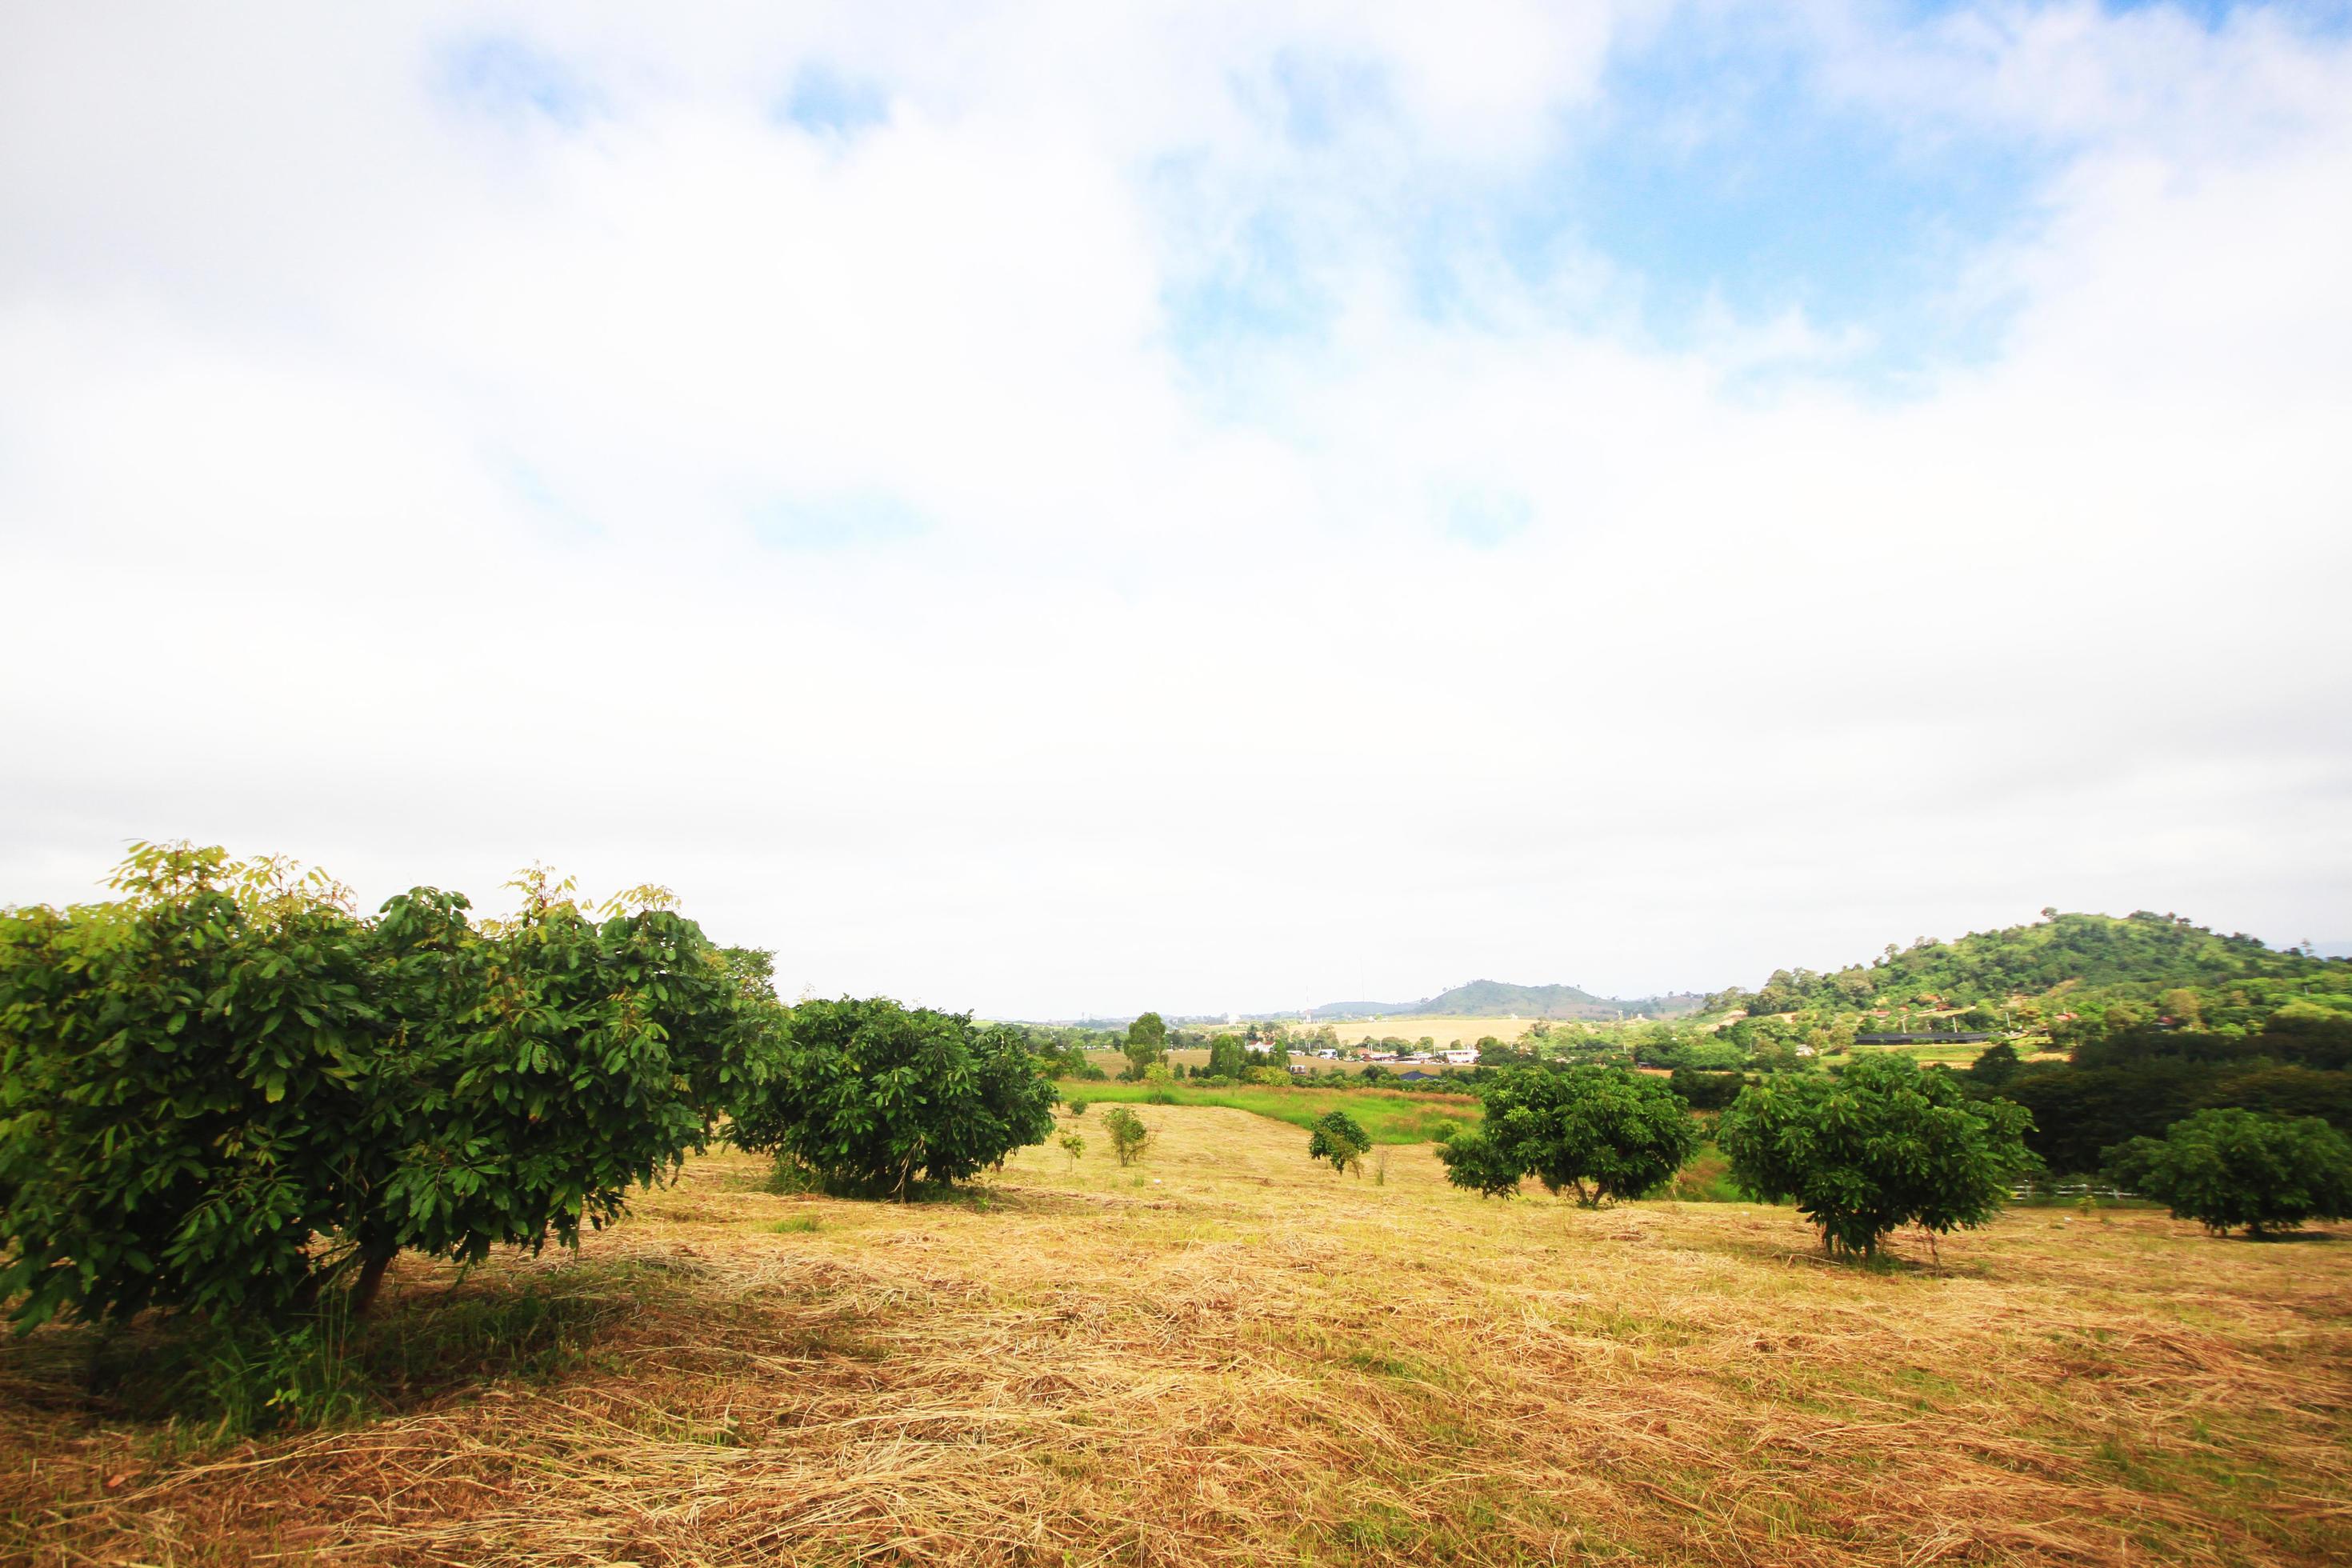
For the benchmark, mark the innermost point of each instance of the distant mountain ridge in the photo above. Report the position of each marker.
(1497, 999)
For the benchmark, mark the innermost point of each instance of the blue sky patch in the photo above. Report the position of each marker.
(1484, 518)
(825, 102)
(845, 520)
(508, 79)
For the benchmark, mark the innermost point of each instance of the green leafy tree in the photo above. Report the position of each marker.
(1886, 1145)
(229, 1091)
(1128, 1133)
(1226, 1056)
(1484, 1164)
(1602, 1133)
(1147, 1043)
(1340, 1139)
(1707, 1091)
(871, 1095)
(1073, 1144)
(1995, 1066)
(2226, 1169)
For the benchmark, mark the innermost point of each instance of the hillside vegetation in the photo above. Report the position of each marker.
(2083, 956)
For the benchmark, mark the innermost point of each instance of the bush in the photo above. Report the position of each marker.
(1078, 1107)
(1707, 1091)
(1073, 1146)
(1600, 1132)
(229, 1091)
(870, 1095)
(1882, 1145)
(1340, 1139)
(1129, 1136)
(2226, 1169)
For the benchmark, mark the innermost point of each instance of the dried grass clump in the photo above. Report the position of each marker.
(1237, 1363)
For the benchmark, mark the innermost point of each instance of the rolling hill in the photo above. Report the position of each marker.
(2139, 955)
(1496, 999)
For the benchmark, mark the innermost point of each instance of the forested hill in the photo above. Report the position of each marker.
(2143, 956)
(1495, 999)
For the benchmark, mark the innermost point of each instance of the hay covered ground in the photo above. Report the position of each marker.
(1226, 1356)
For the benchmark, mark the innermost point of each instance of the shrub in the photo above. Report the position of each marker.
(1128, 1135)
(229, 1091)
(870, 1095)
(1073, 1146)
(1882, 1145)
(1707, 1091)
(1598, 1132)
(1340, 1139)
(1078, 1107)
(2227, 1168)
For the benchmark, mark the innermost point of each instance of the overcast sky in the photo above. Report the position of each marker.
(1081, 508)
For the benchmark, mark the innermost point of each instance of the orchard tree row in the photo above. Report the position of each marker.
(227, 1090)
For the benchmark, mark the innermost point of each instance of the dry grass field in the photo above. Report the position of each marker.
(1226, 1356)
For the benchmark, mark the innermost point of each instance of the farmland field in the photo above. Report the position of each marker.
(1225, 1355)
(1389, 1116)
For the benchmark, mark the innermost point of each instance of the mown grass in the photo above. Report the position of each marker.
(1389, 1116)
(1250, 1360)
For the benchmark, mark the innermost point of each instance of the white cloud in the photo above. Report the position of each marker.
(382, 480)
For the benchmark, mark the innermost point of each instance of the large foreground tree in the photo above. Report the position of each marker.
(228, 1090)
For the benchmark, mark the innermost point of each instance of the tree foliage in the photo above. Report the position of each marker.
(2145, 951)
(2079, 1113)
(1340, 1139)
(1707, 1091)
(871, 1096)
(1147, 1043)
(1602, 1133)
(226, 1089)
(2232, 1168)
(1226, 1056)
(1128, 1134)
(1886, 1144)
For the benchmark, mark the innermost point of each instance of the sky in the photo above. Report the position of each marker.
(1058, 509)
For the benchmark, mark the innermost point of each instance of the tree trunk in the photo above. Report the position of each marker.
(371, 1281)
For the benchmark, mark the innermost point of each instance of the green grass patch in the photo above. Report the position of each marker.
(1389, 1116)
(1706, 1180)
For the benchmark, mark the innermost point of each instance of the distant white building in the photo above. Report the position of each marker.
(1462, 1057)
